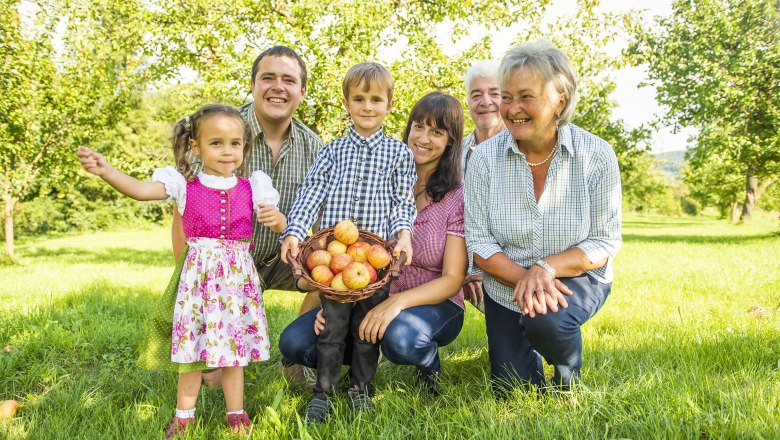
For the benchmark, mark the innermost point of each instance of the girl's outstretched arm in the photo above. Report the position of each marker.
(96, 164)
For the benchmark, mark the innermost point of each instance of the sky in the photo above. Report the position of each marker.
(636, 105)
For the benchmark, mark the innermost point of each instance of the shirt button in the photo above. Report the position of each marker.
(357, 198)
(222, 210)
(223, 201)
(222, 192)
(364, 142)
(362, 159)
(222, 218)
(221, 236)
(360, 179)
(222, 228)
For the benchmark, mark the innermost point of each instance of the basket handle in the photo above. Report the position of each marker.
(395, 269)
(297, 269)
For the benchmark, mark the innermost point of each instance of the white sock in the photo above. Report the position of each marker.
(185, 413)
(230, 413)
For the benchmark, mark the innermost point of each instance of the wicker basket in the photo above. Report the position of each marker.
(320, 240)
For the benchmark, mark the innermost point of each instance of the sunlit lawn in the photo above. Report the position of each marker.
(687, 346)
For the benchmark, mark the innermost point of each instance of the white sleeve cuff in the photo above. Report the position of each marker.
(175, 185)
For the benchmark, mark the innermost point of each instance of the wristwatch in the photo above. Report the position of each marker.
(551, 270)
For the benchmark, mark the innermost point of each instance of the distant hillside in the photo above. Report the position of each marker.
(671, 162)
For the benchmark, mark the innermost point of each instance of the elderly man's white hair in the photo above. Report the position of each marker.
(481, 69)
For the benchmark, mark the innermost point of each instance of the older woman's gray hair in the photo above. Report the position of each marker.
(481, 69)
(549, 64)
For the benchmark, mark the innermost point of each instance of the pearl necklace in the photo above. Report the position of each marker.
(545, 159)
(549, 155)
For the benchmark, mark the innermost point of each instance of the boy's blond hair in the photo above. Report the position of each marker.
(368, 73)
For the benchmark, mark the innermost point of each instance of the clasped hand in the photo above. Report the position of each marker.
(537, 290)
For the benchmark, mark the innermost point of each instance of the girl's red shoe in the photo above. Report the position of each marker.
(239, 422)
(178, 426)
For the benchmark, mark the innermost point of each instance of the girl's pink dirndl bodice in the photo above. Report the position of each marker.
(219, 315)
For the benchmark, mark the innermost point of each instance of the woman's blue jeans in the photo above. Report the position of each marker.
(412, 338)
(517, 343)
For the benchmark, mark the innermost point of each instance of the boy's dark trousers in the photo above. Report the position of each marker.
(339, 318)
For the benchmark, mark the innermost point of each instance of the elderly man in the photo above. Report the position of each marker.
(284, 148)
(484, 97)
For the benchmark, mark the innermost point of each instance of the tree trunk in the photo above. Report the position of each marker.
(751, 194)
(733, 211)
(9, 226)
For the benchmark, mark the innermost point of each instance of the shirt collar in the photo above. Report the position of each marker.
(217, 182)
(470, 141)
(371, 141)
(257, 129)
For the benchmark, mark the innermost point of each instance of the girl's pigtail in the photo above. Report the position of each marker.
(182, 133)
(243, 170)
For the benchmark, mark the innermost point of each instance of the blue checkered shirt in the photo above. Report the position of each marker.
(580, 205)
(368, 180)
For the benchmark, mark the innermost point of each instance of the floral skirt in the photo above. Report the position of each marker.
(211, 314)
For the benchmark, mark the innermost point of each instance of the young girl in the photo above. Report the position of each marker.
(214, 295)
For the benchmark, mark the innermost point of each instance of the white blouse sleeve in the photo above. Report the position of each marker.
(175, 185)
(263, 190)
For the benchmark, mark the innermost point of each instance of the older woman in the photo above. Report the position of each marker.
(425, 308)
(543, 203)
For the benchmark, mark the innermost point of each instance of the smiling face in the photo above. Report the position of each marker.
(428, 143)
(529, 108)
(368, 107)
(484, 100)
(277, 89)
(219, 144)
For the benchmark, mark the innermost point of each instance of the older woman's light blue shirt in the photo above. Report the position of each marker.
(580, 205)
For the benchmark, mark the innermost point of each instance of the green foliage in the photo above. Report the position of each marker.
(219, 40)
(716, 66)
(71, 70)
(646, 189)
(651, 354)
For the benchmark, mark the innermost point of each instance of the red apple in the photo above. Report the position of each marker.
(338, 283)
(378, 256)
(336, 247)
(355, 276)
(339, 262)
(346, 232)
(359, 251)
(371, 271)
(318, 258)
(322, 274)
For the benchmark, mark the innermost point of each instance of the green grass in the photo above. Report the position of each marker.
(687, 346)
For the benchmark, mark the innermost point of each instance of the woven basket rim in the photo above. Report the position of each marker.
(350, 295)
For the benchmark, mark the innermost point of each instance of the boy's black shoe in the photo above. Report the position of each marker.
(318, 409)
(360, 400)
(361, 403)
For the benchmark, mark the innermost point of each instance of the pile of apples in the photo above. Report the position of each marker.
(347, 263)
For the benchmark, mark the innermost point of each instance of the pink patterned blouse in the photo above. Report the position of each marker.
(429, 234)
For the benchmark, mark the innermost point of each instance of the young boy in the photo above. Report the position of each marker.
(368, 178)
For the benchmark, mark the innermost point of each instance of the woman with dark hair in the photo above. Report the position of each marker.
(425, 308)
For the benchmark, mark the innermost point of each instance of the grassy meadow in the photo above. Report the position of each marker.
(687, 346)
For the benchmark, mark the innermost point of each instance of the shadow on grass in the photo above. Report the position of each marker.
(108, 256)
(697, 239)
